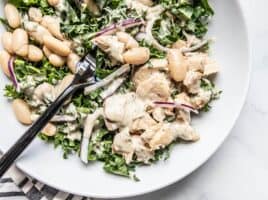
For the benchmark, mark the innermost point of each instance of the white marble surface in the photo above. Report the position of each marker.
(239, 169)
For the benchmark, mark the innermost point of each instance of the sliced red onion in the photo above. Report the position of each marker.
(12, 72)
(127, 23)
(165, 104)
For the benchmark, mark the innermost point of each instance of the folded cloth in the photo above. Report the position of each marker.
(17, 186)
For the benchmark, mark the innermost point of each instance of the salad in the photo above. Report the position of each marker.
(152, 62)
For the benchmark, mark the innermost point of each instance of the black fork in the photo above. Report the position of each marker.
(84, 77)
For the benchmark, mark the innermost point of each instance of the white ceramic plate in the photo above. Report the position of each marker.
(231, 50)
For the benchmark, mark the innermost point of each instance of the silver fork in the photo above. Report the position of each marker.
(84, 77)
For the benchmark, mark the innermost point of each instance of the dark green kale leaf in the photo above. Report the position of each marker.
(191, 16)
(51, 74)
(88, 103)
(154, 52)
(41, 4)
(207, 85)
(206, 6)
(113, 163)
(59, 140)
(44, 70)
(166, 31)
(11, 92)
(163, 153)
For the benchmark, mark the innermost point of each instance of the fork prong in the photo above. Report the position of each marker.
(90, 60)
(85, 69)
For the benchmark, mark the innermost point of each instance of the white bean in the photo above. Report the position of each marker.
(72, 60)
(35, 14)
(56, 60)
(13, 16)
(146, 2)
(137, 56)
(53, 25)
(56, 46)
(49, 130)
(22, 111)
(35, 54)
(176, 64)
(36, 31)
(4, 58)
(7, 41)
(53, 2)
(127, 39)
(20, 42)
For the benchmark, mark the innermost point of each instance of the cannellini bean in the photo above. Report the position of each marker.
(56, 60)
(127, 39)
(13, 16)
(7, 41)
(53, 25)
(49, 130)
(46, 51)
(56, 46)
(4, 58)
(35, 54)
(20, 42)
(137, 56)
(36, 31)
(72, 60)
(22, 111)
(176, 64)
(53, 2)
(66, 81)
(146, 2)
(35, 14)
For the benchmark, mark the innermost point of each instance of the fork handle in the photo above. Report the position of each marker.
(12, 154)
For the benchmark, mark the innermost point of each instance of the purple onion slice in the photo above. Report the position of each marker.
(165, 104)
(12, 72)
(127, 23)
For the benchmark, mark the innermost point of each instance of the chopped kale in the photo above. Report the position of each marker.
(11, 92)
(207, 85)
(59, 140)
(43, 69)
(24, 5)
(154, 53)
